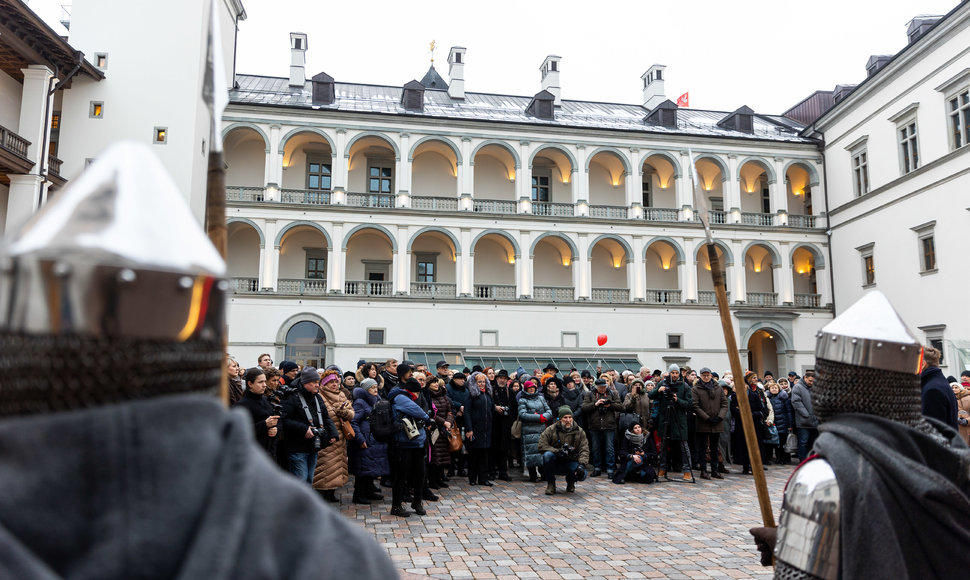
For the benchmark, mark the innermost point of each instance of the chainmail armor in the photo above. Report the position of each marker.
(785, 572)
(61, 372)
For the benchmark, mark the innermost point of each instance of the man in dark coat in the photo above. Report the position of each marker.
(937, 396)
(564, 452)
(506, 410)
(599, 407)
(303, 412)
(675, 400)
(478, 428)
(458, 394)
(710, 407)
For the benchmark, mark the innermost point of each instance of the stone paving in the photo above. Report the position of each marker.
(513, 530)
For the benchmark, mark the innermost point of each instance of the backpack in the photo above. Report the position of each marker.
(382, 425)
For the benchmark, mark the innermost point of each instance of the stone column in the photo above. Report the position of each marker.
(402, 172)
(269, 262)
(684, 195)
(272, 156)
(732, 191)
(260, 278)
(465, 264)
(584, 289)
(740, 278)
(689, 290)
(822, 286)
(525, 286)
(523, 181)
(402, 275)
(779, 193)
(634, 186)
(639, 270)
(783, 277)
(341, 169)
(339, 259)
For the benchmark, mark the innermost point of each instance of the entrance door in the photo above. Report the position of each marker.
(306, 344)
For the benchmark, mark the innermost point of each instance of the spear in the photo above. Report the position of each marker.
(216, 97)
(720, 291)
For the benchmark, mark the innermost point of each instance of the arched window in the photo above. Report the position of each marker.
(306, 344)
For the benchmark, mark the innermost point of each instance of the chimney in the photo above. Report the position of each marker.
(297, 59)
(456, 72)
(550, 77)
(919, 25)
(876, 62)
(653, 86)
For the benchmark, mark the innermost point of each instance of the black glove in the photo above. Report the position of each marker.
(718, 418)
(562, 454)
(713, 419)
(765, 539)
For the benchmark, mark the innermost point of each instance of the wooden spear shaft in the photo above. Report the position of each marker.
(750, 437)
(215, 228)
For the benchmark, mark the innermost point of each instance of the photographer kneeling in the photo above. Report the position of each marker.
(565, 451)
(307, 425)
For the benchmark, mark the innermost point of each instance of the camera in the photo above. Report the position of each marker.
(566, 452)
(284, 391)
(277, 409)
(318, 435)
(505, 410)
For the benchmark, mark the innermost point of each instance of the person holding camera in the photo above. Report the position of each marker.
(407, 448)
(674, 399)
(261, 410)
(600, 408)
(638, 455)
(564, 452)
(307, 425)
(710, 407)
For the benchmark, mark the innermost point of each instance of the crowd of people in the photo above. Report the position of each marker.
(485, 424)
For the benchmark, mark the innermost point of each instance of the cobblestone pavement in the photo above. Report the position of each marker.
(513, 530)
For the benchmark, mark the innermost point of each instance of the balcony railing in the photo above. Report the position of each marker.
(660, 296)
(659, 214)
(494, 291)
(245, 285)
(435, 203)
(762, 299)
(553, 293)
(54, 165)
(717, 217)
(707, 297)
(808, 300)
(302, 286)
(307, 196)
(801, 221)
(613, 212)
(432, 290)
(244, 193)
(13, 142)
(370, 200)
(494, 206)
(610, 295)
(553, 209)
(368, 288)
(757, 219)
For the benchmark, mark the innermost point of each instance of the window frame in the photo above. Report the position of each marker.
(314, 254)
(96, 110)
(383, 165)
(160, 135)
(926, 233)
(680, 339)
(866, 252)
(962, 110)
(907, 138)
(954, 88)
(426, 258)
(860, 171)
(322, 161)
(539, 173)
(383, 339)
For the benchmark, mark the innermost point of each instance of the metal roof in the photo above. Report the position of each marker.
(432, 80)
(350, 97)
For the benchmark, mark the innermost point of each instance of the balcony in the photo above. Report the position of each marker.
(756, 219)
(808, 300)
(311, 286)
(243, 193)
(494, 291)
(659, 214)
(553, 293)
(305, 196)
(368, 288)
(762, 299)
(709, 298)
(435, 203)
(432, 290)
(801, 221)
(553, 209)
(54, 170)
(659, 296)
(244, 285)
(494, 206)
(381, 200)
(13, 152)
(610, 295)
(613, 212)
(717, 217)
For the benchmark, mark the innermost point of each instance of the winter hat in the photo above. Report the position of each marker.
(350, 374)
(585, 374)
(705, 370)
(673, 367)
(458, 376)
(502, 373)
(747, 374)
(769, 374)
(600, 382)
(412, 385)
(565, 410)
(361, 363)
(965, 374)
(329, 377)
(309, 375)
(529, 383)
(638, 380)
(367, 383)
(403, 368)
(287, 366)
(477, 369)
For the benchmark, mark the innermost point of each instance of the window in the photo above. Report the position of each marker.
(316, 266)
(553, 66)
(647, 194)
(926, 247)
(675, 341)
(161, 135)
(101, 60)
(860, 172)
(717, 204)
(489, 338)
(868, 265)
(317, 174)
(570, 339)
(765, 199)
(375, 336)
(929, 253)
(380, 180)
(457, 58)
(659, 75)
(959, 111)
(56, 121)
(96, 110)
(427, 267)
(908, 148)
(540, 187)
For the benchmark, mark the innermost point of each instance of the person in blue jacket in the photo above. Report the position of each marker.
(407, 447)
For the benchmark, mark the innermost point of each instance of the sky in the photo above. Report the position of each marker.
(765, 54)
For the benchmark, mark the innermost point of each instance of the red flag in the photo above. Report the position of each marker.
(683, 100)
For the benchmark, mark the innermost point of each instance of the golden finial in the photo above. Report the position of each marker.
(432, 53)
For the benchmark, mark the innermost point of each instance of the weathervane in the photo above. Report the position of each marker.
(432, 53)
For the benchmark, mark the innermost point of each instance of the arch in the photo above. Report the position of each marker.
(775, 254)
(572, 159)
(569, 242)
(444, 140)
(306, 317)
(813, 178)
(716, 161)
(438, 229)
(298, 223)
(252, 126)
(816, 253)
(759, 161)
(615, 238)
(780, 334)
(249, 222)
(379, 135)
(377, 227)
(678, 251)
(725, 252)
(670, 158)
(502, 144)
(511, 240)
(296, 131)
(623, 158)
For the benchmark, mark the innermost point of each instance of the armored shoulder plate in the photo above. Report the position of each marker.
(808, 533)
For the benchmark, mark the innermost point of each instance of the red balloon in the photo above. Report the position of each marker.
(601, 339)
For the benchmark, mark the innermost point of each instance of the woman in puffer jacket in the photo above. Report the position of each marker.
(781, 404)
(368, 456)
(331, 472)
(444, 419)
(535, 415)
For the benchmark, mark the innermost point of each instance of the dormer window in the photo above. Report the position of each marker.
(413, 96)
(552, 66)
(664, 115)
(542, 106)
(323, 89)
(741, 120)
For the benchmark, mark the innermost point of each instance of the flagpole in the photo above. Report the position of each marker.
(727, 326)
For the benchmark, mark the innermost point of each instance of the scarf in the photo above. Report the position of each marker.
(634, 439)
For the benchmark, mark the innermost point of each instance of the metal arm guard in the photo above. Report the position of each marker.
(808, 533)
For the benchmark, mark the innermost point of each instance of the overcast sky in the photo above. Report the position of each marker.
(767, 54)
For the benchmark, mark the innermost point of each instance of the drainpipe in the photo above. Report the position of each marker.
(51, 89)
(828, 224)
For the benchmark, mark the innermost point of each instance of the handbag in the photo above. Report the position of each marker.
(791, 444)
(517, 428)
(454, 439)
(347, 429)
(771, 436)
